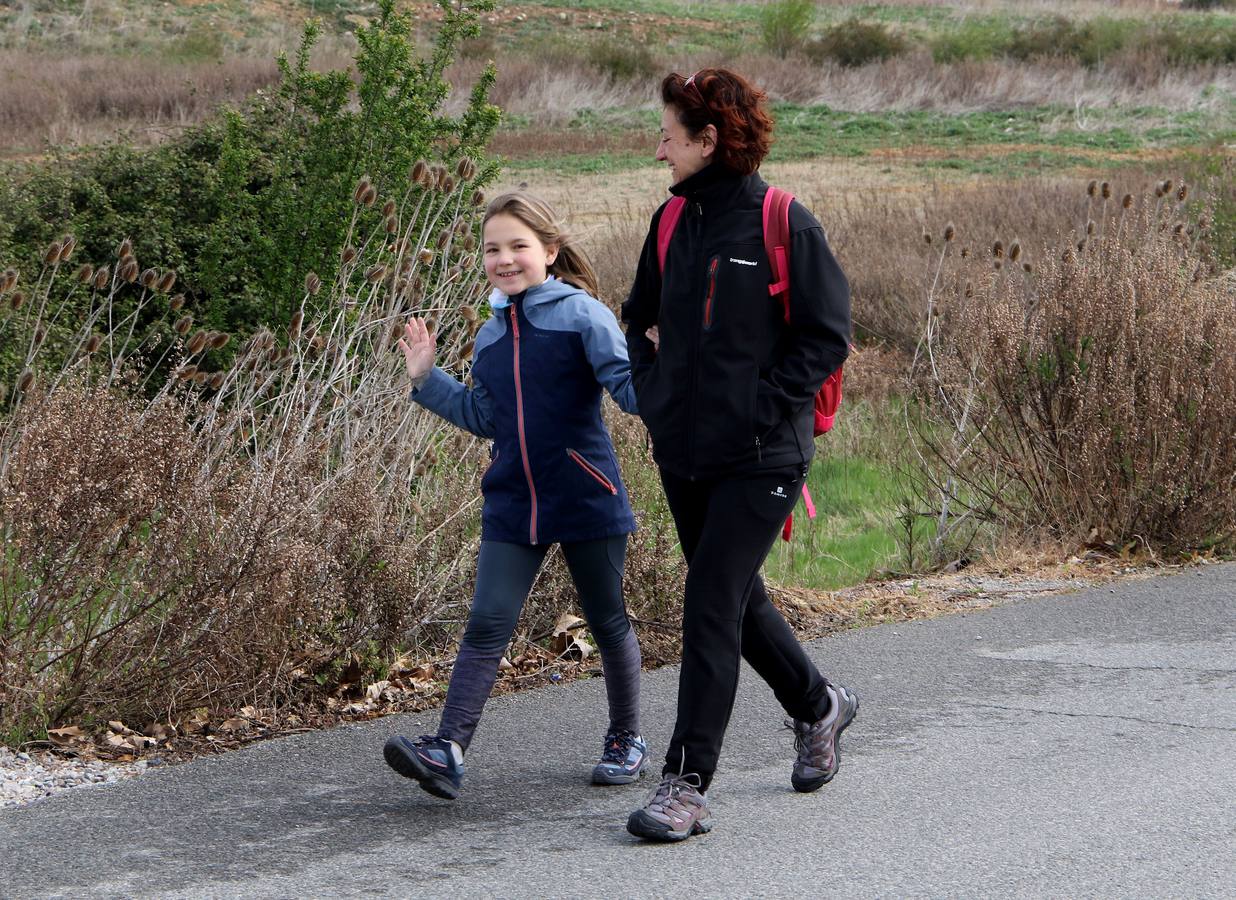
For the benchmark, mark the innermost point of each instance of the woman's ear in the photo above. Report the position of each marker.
(708, 137)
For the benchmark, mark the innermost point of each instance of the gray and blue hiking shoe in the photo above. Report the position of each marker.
(623, 761)
(675, 810)
(819, 743)
(429, 760)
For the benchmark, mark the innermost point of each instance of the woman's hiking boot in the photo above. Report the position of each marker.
(819, 743)
(675, 810)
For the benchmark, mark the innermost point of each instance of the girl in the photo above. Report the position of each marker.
(727, 398)
(539, 365)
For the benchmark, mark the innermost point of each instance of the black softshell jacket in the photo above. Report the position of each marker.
(731, 388)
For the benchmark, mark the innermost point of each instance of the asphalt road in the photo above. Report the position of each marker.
(1079, 745)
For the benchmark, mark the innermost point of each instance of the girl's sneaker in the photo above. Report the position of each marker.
(674, 811)
(819, 743)
(432, 761)
(623, 761)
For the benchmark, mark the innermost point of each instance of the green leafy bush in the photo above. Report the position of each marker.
(856, 43)
(784, 25)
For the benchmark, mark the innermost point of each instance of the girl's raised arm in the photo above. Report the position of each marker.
(469, 409)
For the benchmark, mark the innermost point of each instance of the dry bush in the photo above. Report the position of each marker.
(235, 537)
(1085, 388)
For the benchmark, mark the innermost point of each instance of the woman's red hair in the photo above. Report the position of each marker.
(731, 104)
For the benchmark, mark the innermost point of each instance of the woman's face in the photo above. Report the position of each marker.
(515, 258)
(685, 155)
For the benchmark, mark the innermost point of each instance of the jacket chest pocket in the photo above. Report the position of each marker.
(735, 287)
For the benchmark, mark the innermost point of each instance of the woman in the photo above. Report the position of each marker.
(726, 394)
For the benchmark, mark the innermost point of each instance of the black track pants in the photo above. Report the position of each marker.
(727, 528)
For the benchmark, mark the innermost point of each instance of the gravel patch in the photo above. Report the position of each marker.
(30, 777)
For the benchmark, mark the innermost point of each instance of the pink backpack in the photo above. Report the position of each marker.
(777, 245)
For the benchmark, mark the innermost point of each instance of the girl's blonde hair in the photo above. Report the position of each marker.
(572, 264)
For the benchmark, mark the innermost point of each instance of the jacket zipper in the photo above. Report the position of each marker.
(712, 290)
(519, 420)
(695, 343)
(592, 470)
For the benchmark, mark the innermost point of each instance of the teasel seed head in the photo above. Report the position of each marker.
(176, 303)
(1081, 245)
(93, 343)
(469, 244)
(102, 277)
(443, 238)
(1168, 184)
(199, 378)
(1014, 251)
(8, 280)
(997, 249)
(218, 340)
(965, 252)
(949, 232)
(40, 335)
(1092, 188)
(358, 195)
(197, 343)
(405, 266)
(184, 373)
(183, 324)
(1090, 226)
(926, 237)
(426, 256)
(1106, 190)
(392, 225)
(149, 278)
(998, 264)
(17, 300)
(125, 249)
(84, 274)
(468, 312)
(313, 284)
(388, 208)
(130, 272)
(1027, 268)
(51, 256)
(419, 170)
(216, 381)
(448, 184)
(465, 352)
(465, 169)
(1178, 228)
(439, 174)
(478, 198)
(348, 254)
(26, 381)
(370, 197)
(1126, 202)
(374, 274)
(1182, 193)
(167, 282)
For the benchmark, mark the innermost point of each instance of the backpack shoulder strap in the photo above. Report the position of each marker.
(777, 243)
(665, 228)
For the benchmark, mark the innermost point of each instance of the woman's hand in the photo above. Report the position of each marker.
(654, 335)
(419, 346)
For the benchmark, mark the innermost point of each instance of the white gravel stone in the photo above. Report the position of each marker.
(29, 777)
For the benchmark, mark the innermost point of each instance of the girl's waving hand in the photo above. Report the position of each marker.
(419, 346)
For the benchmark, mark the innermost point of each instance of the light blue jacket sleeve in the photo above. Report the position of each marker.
(606, 348)
(471, 410)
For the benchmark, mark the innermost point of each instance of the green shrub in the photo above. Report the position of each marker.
(1208, 4)
(784, 25)
(1090, 43)
(623, 60)
(245, 205)
(856, 43)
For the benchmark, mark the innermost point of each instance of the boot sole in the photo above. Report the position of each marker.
(409, 765)
(804, 786)
(643, 826)
(604, 778)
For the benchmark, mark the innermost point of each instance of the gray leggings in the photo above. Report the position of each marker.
(504, 575)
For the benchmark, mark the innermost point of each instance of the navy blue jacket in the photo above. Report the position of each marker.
(538, 368)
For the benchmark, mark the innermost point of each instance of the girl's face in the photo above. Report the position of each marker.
(685, 155)
(515, 258)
